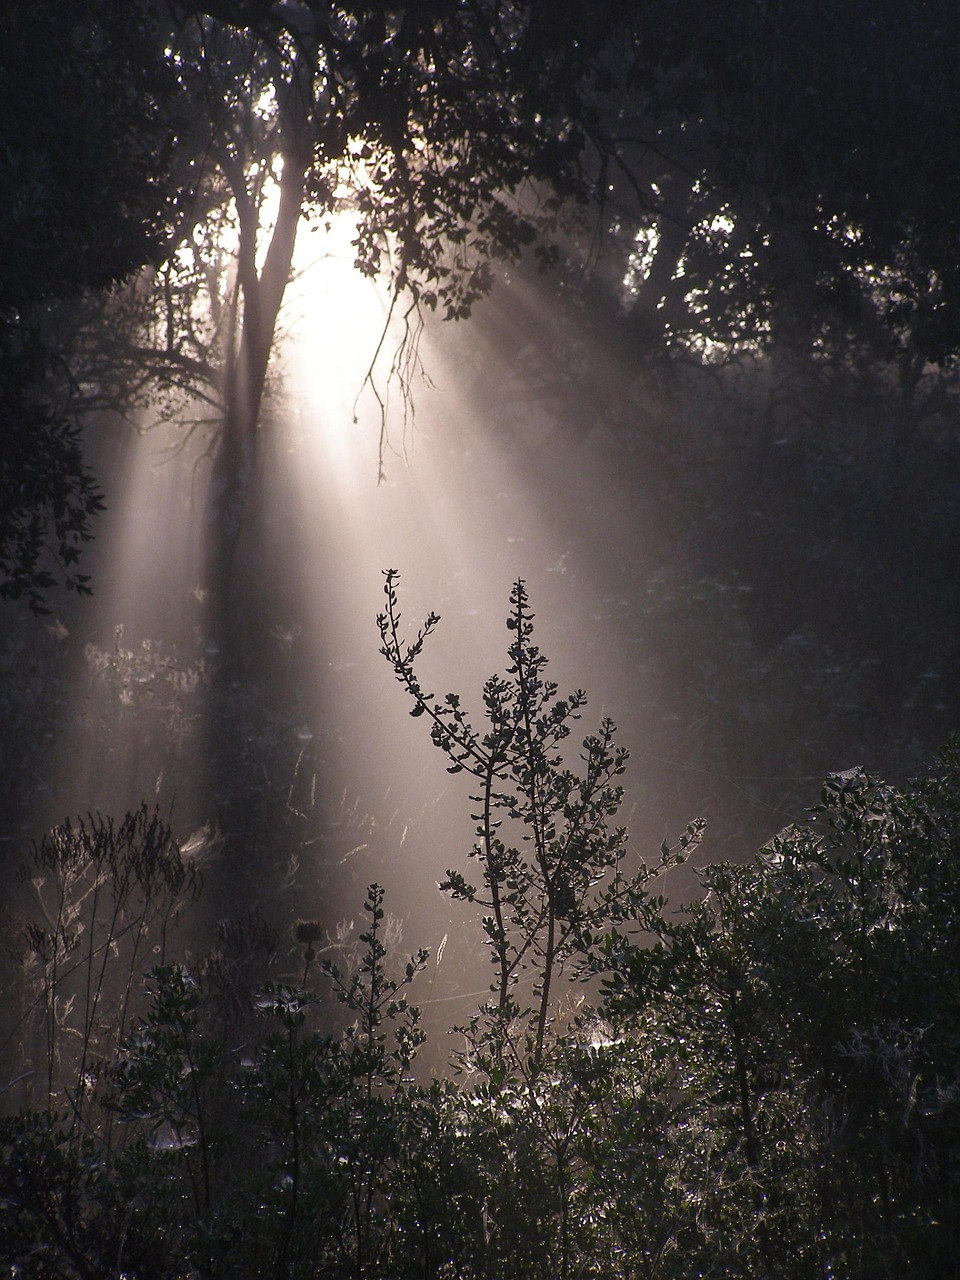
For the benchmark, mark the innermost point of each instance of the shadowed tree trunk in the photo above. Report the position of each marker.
(244, 809)
(260, 296)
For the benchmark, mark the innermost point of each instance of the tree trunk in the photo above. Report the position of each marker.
(234, 462)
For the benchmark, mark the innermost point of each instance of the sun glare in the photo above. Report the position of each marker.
(334, 357)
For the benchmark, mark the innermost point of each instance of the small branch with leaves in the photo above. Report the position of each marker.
(557, 883)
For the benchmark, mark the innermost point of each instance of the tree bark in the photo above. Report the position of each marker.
(234, 462)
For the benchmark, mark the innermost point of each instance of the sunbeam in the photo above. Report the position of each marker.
(137, 697)
(470, 504)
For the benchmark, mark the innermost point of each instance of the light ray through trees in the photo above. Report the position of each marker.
(136, 701)
(493, 487)
(303, 749)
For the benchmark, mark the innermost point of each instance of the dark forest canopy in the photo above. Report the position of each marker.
(763, 176)
(88, 199)
(823, 135)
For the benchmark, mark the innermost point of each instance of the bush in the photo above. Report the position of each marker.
(768, 1083)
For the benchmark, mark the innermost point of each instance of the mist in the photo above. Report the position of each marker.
(751, 609)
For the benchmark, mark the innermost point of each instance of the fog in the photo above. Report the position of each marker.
(743, 595)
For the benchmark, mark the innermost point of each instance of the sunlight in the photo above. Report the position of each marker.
(346, 355)
(481, 503)
(335, 321)
(131, 722)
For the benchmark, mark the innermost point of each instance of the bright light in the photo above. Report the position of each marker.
(335, 314)
(335, 318)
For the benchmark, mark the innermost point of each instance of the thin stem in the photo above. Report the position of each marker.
(493, 880)
(534, 773)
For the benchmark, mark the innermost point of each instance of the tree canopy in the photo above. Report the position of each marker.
(763, 175)
(86, 202)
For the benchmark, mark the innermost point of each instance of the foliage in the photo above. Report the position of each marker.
(437, 129)
(750, 185)
(812, 999)
(87, 201)
(49, 497)
(742, 164)
(767, 1083)
(541, 894)
(105, 895)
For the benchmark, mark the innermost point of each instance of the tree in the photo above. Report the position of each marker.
(793, 169)
(744, 169)
(545, 896)
(438, 126)
(85, 204)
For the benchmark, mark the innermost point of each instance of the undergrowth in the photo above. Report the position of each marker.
(764, 1083)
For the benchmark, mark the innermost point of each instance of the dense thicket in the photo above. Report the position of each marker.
(766, 1085)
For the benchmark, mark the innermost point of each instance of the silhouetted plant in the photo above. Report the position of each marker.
(331, 1106)
(105, 895)
(378, 1047)
(543, 893)
(277, 1156)
(769, 1087)
(69, 1211)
